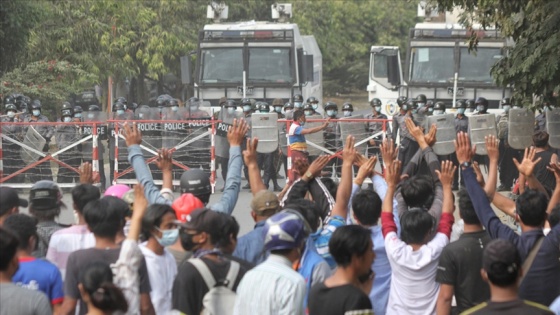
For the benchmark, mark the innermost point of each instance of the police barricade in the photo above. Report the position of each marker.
(553, 127)
(149, 124)
(315, 141)
(265, 127)
(481, 126)
(283, 137)
(96, 135)
(118, 153)
(33, 151)
(521, 126)
(445, 134)
(356, 129)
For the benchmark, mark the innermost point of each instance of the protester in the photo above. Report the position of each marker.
(273, 287)
(99, 292)
(345, 292)
(13, 298)
(34, 274)
(228, 243)
(9, 203)
(501, 268)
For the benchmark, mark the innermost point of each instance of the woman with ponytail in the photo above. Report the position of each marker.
(98, 291)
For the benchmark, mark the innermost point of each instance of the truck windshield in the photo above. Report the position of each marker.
(268, 64)
(432, 64)
(222, 65)
(477, 67)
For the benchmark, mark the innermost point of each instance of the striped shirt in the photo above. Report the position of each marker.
(297, 140)
(272, 287)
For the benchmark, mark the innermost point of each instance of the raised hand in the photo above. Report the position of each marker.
(132, 134)
(527, 165)
(349, 151)
(250, 154)
(415, 131)
(366, 170)
(478, 172)
(165, 159)
(492, 148)
(555, 168)
(430, 137)
(318, 165)
(140, 201)
(388, 151)
(463, 148)
(87, 176)
(393, 173)
(446, 173)
(236, 133)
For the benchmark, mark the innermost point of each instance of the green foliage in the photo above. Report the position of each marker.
(52, 82)
(532, 65)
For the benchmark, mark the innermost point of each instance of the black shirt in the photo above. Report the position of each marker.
(459, 265)
(517, 307)
(338, 300)
(545, 177)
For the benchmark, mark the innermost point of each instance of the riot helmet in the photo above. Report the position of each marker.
(95, 108)
(298, 101)
(247, 105)
(230, 106)
(173, 104)
(421, 100)
(122, 100)
(331, 109)
(263, 107)
(278, 104)
(288, 106)
(193, 103)
(314, 102)
(506, 104)
(67, 112)
(308, 109)
(347, 109)
(439, 108)
(78, 111)
(481, 105)
(67, 105)
(119, 108)
(36, 108)
(461, 106)
(410, 104)
(430, 106)
(470, 105)
(11, 110)
(401, 100)
(10, 99)
(23, 107)
(196, 182)
(376, 104)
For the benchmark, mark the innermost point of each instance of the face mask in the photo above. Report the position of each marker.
(347, 113)
(194, 108)
(11, 114)
(24, 110)
(174, 108)
(168, 237)
(140, 116)
(36, 112)
(420, 105)
(430, 110)
(438, 112)
(331, 113)
(90, 116)
(308, 113)
(461, 111)
(516, 107)
(78, 115)
(246, 108)
(298, 104)
(231, 110)
(288, 110)
(315, 105)
(302, 123)
(506, 108)
(480, 108)
(378, 109)
(67, 119)
(187, 241)
(278, 109)
(120, 112)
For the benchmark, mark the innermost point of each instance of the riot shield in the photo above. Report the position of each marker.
(481, 126)
(553, 127)
(99, 120)
(198, 150)
(421, 120)
(316, 138)
(282, 138)
(33, 140)
(220, 140)
(265, 128)
(123, 152)
(173, 131)
(521, 126)
(445, 133)
(355, 129)
(151, 130)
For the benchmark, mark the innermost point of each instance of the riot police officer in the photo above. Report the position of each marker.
(198, 125)
(308, 110)
(332, 137)
(78, 112)
(43, 169)
(471, 105)
(297, 101)
(67, 134)
(408, 145)
(439, 108)
(247, 107)
(11, 151)
(227, 114)
(376, 126)
(481, 106)
(267, 161)
(97, 118)
(508, 170)
(421, 101)
(429, 108)
(288, 110)
(347, 109)
(540, 120)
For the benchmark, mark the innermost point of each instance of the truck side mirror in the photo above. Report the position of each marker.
(186, 70)
(393, 70)
(308, 68)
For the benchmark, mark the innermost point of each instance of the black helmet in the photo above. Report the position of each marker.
(172, 102)
(411, 103)
(9, 100)
(230, 103)
(277, 102)
(67, 105)
(36, 104)
(430, 104)
(162, 99)
(307, 106)
(67, 110)
(421, 100)
(10, 107)
(375, 102)
(288, 105)
(246, 101)
(312, 99)
(460, 104)
(439, 106)
(298, 98)
(23, 107)
(401, 100)
(121, 100)
(505, 101)
(196, 182)
(347, 107)
(470, 104)
(44, 195)
(78, 109)
(94, 108)
(118, 106)
(263, 107)
(331, 105)
(481, 101)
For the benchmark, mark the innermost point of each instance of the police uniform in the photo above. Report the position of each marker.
(11, 151)
(67, 134)
(373, 127)
(508, 170)
(408, 145)
(43, 169)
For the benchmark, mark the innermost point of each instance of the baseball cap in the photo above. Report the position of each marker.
(501, 259)
(44, 195)
(9, 198)
(203, 220)
(265, 203)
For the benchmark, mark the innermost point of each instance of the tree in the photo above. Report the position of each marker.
(532, 65)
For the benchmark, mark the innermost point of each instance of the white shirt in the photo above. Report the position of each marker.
(414, 289)
(66, 241)
(125, 274)
(272, 287)
(162, 270)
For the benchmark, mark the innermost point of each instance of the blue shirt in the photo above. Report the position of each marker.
(153, 194)
(40, 275)
(250, 246)
(296, 139)
(324, 236)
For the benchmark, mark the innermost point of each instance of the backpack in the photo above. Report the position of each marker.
(220, 298)
(503, 127)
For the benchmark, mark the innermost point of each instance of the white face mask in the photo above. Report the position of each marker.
(67, 119)
(36, 112)
(331, 113)
(231, 110)
(461, 111)
(174, 108)
(90, 116)
(298, 104)
(288, 110)
(438, 112)
(120, 112)
(378, 109)
(347, 113)
(11, 114)
(247, 108)
(78, 115)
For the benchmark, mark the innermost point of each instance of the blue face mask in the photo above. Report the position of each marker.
(298, 104)
(168, 237)
(247, 108)
(231, 110)
(378, 109)
(67, 119)
(120, 112)
(430, 110)
(480, 108)
(78, 115)
(36, 112)
(308, 113)
(315, 105)
(506, 108)
(278, 109)
(331, 113)
(461, 111)
(347, 113)
(174, 108)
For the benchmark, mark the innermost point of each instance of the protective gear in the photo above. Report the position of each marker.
(120, 111)
(314, 102)
(460, 104)
(288, 106)
(11, 107)
(332, 113)
(278, 109)
(348, 107)
(346, 113)
(505, 101)
(173, 104)
(162, 100)
(263, 107)
(67, 119)
(377, 109)
(168, 237)
(66, 113)
(78, 111)
(36, 112)
(175, 108)
(36, 104)
(194, 103)
(401, 100)
(285, 230)
(308, 109)
(439, 106)
(230, 110)
(246, 101)
(298, 101)
(506, 108)
(461, 111)
(196, 182)
(184, 205)
(247, 108)
(277, 102)
(421, 100)
(94, 108)
(121, 99)
(230, 104)
(187, 241)
(118, 106)
(44, 195)
(470, 105)
(409, 105)
(481, 105)
(331, 105)
(67, 106)
(11, 114)
(375, 102)
(116, 190)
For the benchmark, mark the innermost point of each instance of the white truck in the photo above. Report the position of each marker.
(257, 60)
(439, 65)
